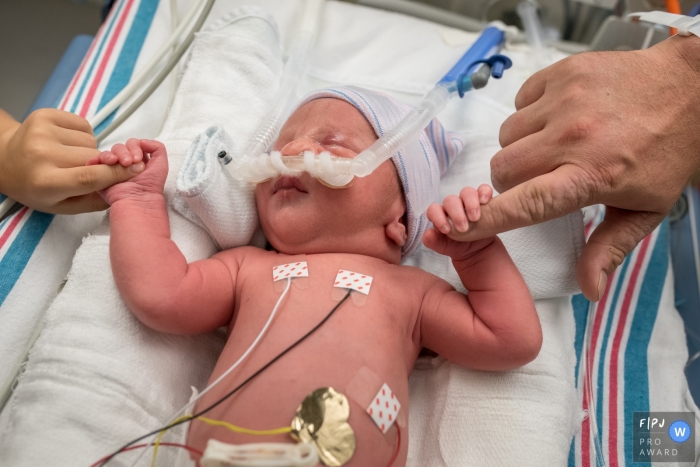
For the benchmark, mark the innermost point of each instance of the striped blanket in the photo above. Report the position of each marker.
(36, 249)
(104, 71)
(636, 353)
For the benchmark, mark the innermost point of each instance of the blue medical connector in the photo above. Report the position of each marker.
(494, 66)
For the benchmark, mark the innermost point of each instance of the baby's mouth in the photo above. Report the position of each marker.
(288, 183)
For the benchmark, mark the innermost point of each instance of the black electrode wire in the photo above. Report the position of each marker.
(233, 391)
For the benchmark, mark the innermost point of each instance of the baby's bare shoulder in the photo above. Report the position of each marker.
(241, 255)
(421, 279)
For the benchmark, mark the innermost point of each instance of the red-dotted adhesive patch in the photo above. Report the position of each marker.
(354, 281)
(290, 271)
(384, 408)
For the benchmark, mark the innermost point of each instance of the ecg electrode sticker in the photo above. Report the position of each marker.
(290, 271)
(384, 408)
(353, 280)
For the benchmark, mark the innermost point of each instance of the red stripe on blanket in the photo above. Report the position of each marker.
(590, 358)
(12, 225)
(105, 59)
(615, 352)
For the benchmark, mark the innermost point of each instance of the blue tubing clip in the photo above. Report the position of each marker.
(497, 64)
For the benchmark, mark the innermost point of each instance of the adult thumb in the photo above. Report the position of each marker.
(609, 244)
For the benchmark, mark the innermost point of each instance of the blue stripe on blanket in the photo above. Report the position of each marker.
(636, 369)
(581, 308)
(17, 256)
(97, 56)
(2, 197)
(124, 67)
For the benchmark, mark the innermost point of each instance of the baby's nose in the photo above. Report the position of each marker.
(299, 145)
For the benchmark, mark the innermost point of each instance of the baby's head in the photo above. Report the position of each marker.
(374, 216)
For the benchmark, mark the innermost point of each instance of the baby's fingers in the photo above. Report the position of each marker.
(454, 207)
(485, 193)
(105, 157)
(134, 147)
(123, 154)
(436, 215)
(470, 198)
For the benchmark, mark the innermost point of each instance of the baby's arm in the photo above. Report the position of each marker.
(152, 275)
(495, 326)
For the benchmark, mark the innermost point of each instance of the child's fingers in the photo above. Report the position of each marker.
(454, 208)
(436, 215)
(470, 198)
(80, 181)
(134, 147)
(485, 193)
(123, 154)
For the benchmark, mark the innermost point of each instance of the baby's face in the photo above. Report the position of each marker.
(301, 215)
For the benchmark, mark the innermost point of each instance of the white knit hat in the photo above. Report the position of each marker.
(419, 164)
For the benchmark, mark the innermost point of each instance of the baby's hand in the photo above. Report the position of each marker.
(134, 152)
(452, 219)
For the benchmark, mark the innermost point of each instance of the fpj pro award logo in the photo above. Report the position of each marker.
(664, 437)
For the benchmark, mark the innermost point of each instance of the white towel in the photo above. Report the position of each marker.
(222, 205)
(97, 377)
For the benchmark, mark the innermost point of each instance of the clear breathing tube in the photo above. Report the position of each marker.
(246, 166)
(255, 165)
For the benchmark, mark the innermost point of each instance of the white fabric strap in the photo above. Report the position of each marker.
(685, 25)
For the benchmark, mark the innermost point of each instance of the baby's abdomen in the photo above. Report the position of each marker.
(329, 359)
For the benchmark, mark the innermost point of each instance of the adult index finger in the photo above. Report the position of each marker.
(533, 88)
(78, 181)
(543, 198)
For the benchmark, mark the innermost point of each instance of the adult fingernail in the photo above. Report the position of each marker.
(137, 168)
(602, 282)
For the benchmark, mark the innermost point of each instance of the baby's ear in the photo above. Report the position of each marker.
(396, 230)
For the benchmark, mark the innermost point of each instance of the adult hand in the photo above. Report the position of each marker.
(42, 163)
(617, 128)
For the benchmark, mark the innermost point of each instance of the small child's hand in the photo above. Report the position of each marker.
(452, 218)
(134, 152)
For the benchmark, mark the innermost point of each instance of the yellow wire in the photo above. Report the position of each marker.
(238, 429)
(230, 426)
(156, 445)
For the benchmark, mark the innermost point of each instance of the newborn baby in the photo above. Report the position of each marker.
(372, 341)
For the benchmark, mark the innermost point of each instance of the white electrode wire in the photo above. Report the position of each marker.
(694, 233)
(191, 403)
(147, 71)
(587, 354)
